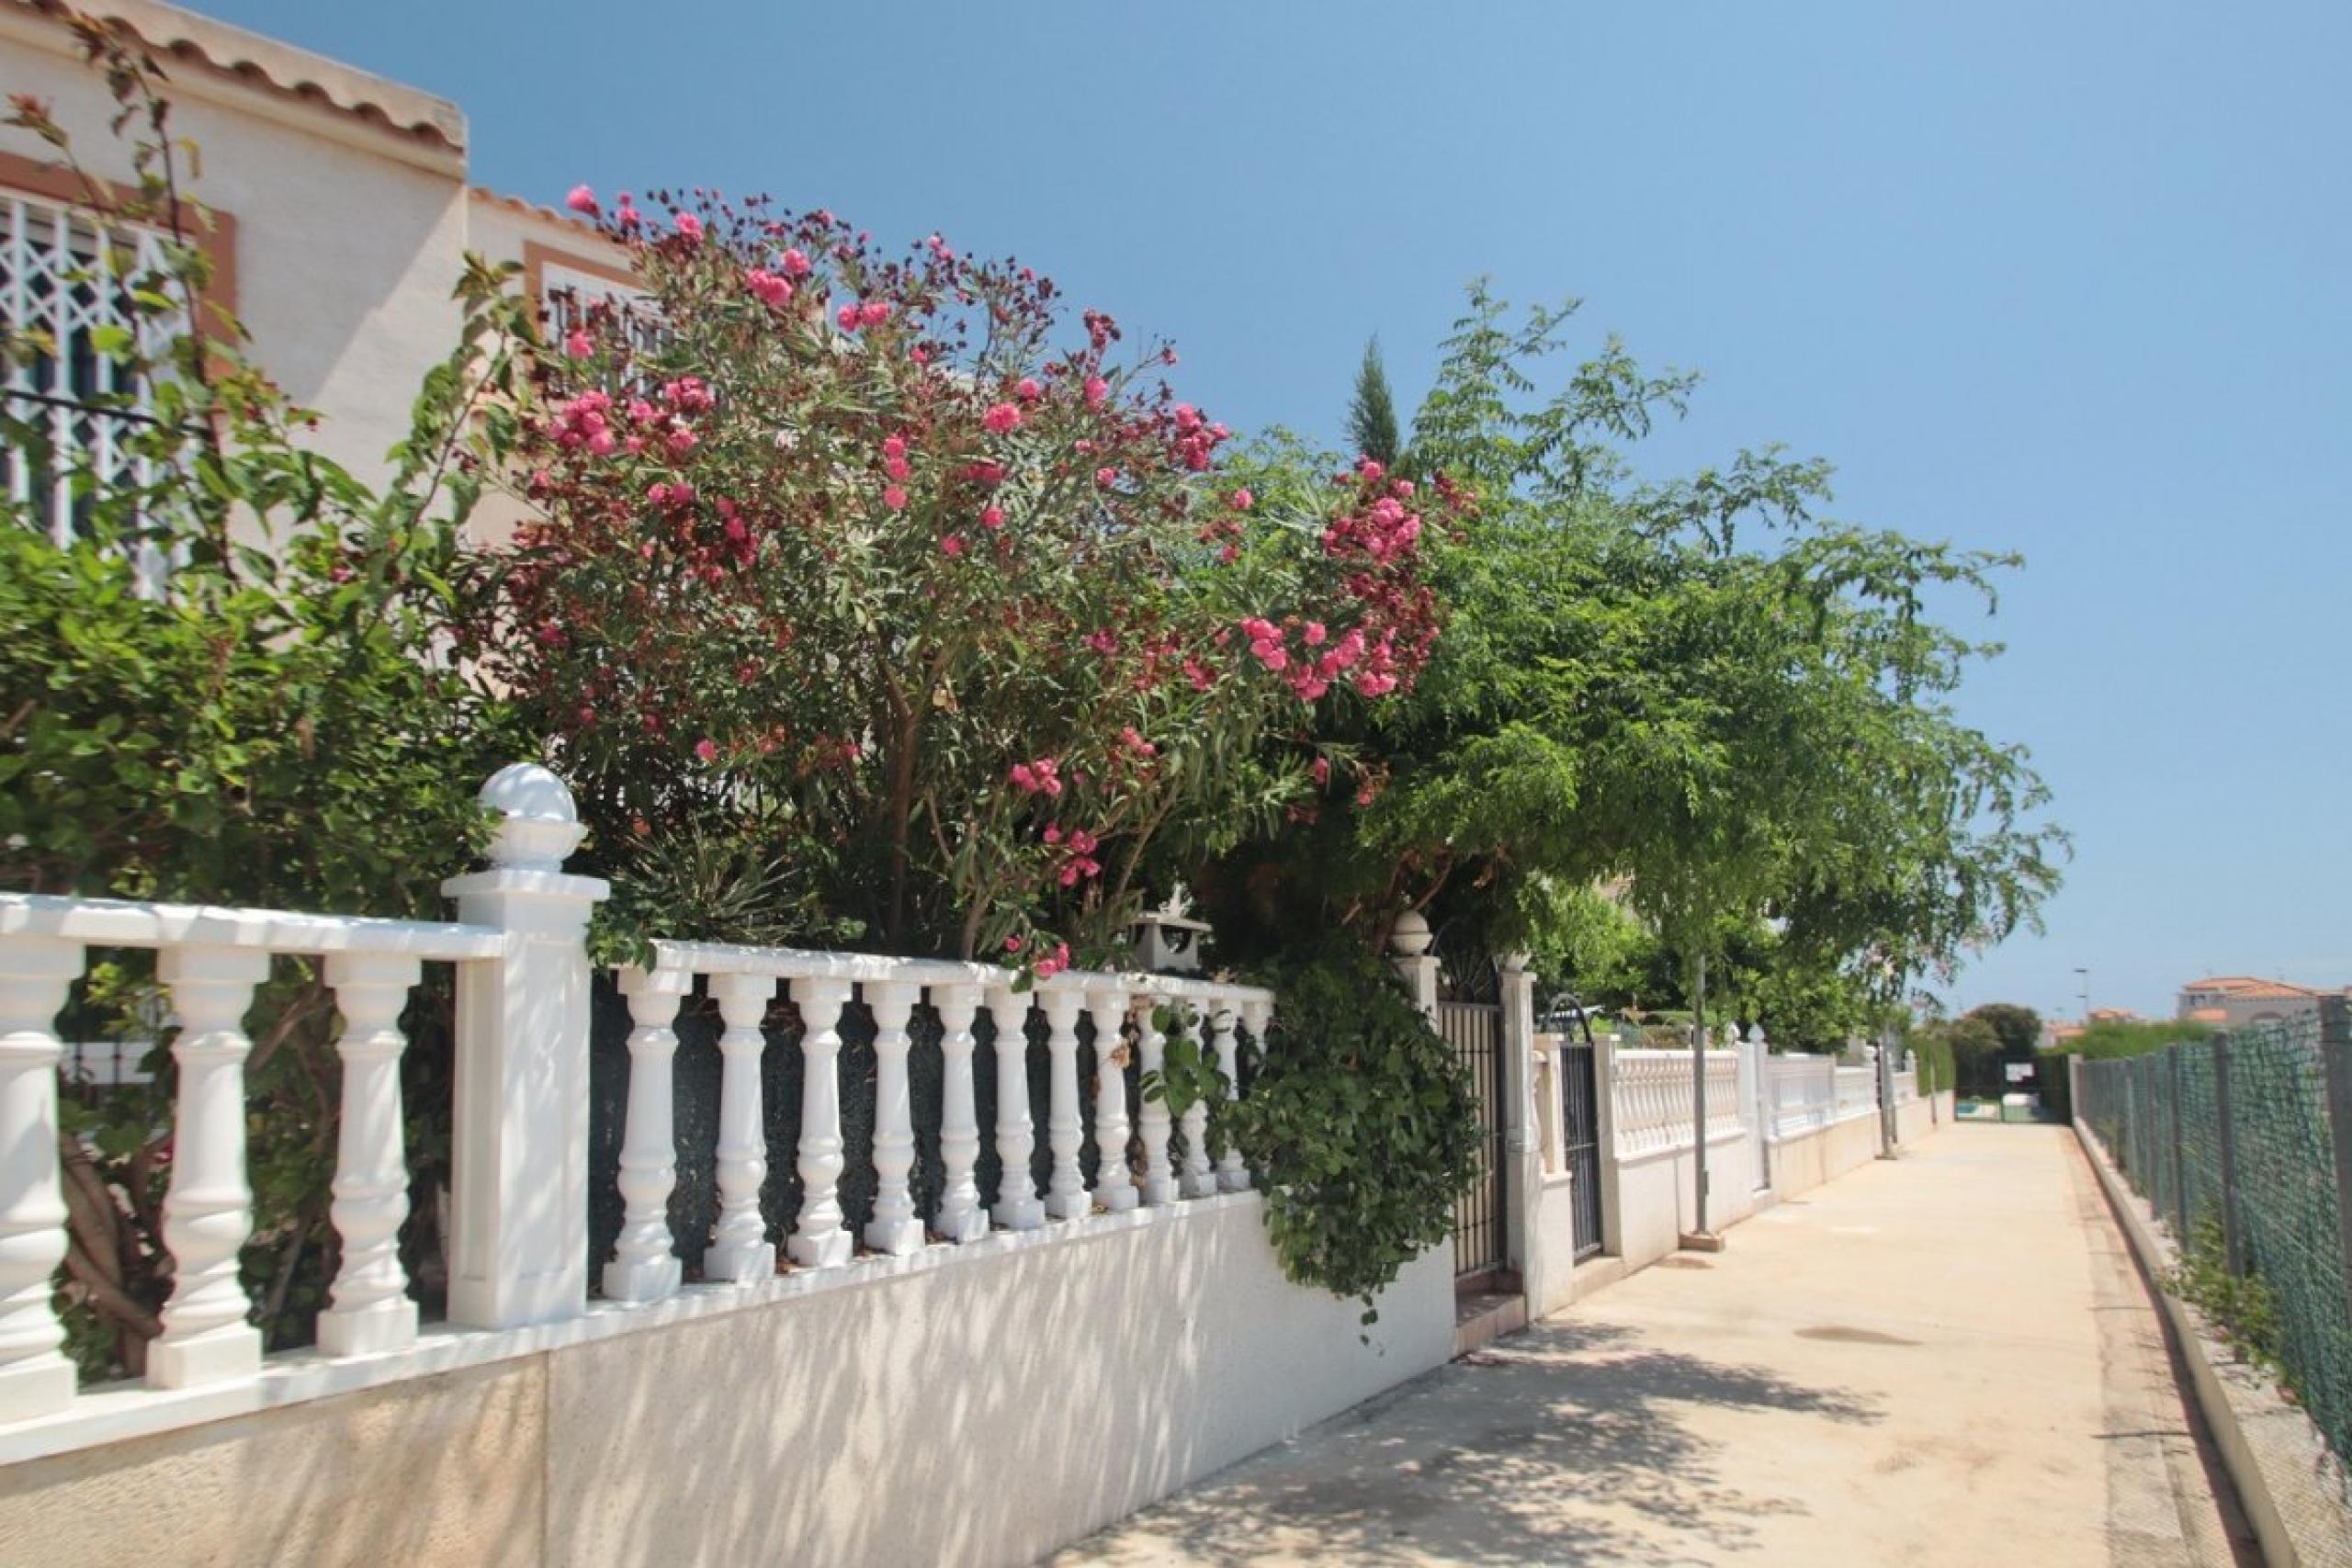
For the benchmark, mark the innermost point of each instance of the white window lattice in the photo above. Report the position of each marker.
(67, 275)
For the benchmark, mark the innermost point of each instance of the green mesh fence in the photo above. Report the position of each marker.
(2235, 1131)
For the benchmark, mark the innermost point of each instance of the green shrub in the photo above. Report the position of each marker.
(1359, 1123)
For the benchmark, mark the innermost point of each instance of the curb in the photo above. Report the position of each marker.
(2288, 1483)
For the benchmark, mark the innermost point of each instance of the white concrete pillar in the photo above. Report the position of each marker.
(35, 976)
(894, 1229)
(1066, 1197)
(208, 1210)
(960, 1217)
(518, 1198)
(1017, 1208)
(1159, 1185)
(1408, 941)
(644, 1266)
(1115, 1186)
(740, 1251)
(820, 1239)
(1522, 1151)
(371, 1312)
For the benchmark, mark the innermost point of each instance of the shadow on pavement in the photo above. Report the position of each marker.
(1518, 1454)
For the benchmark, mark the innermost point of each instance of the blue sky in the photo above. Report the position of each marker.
(2071, 280)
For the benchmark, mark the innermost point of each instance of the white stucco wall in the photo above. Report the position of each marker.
(980, 1413)
(348, 235)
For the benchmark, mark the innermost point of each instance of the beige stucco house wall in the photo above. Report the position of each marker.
(349, 211)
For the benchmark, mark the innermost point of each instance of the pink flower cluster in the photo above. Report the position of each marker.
(771, 288)
(1196, 439)
(1078, 847)
(1310, 675)
(862, 314)
(1054, 963)
(1042, 776)
(1382, 530)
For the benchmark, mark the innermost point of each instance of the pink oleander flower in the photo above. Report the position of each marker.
(895, 497)
(1313, 633)
(582, 200)
(1097, 390)
(1369, 468)
(1054, 964)
(577, 345)
(992, 517)
(1322, 769)
(1001, 420)
(768, 287)
(1027, 391)
(873, 313)
(847, 316)
(1106, 477)
(794, 264)
(1013, 944)
(1053, 834)
(706, 748)
(894, 446)
(689, 227)
(1243, 501)
(951, 546)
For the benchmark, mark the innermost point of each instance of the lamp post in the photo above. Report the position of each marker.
(2084, 984)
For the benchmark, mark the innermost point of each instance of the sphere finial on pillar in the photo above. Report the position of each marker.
(539, 826)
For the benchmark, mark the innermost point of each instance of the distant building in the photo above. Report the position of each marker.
(2232, 1001)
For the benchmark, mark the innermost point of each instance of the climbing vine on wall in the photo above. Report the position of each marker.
(1359, 1125)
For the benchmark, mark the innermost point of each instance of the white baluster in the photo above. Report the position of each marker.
(820, 1239)
(894, 1229)
(371, 1312)
(209, 1211)
(960, 1217)
(1232, 1172)
(35, 1377)
(644, 1266)
(1115, 1186)
(1017, 1208)
(1196, 1180)
(1066, 1196)
(739, 1250)
(1158, 1173)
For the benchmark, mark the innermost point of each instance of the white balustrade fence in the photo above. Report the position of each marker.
(1906, 1086)
(1804, 1090)
(1652, 1099)
(1811, 1093)
(1857, 1093)
(520, 1179)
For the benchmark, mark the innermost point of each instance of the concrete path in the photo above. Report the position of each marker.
(1947, 1358)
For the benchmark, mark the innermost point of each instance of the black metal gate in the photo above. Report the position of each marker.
(1579, 1072)
(1475, 1031)
(1580, 1135)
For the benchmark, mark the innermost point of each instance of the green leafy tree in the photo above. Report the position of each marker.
(1371, 412)
(2019, 1029)
(1701, 692)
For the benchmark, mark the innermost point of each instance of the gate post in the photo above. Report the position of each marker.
(1408, 941)
(1522, 1151)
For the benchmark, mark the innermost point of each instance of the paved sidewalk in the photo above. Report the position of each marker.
(1947, 1358)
